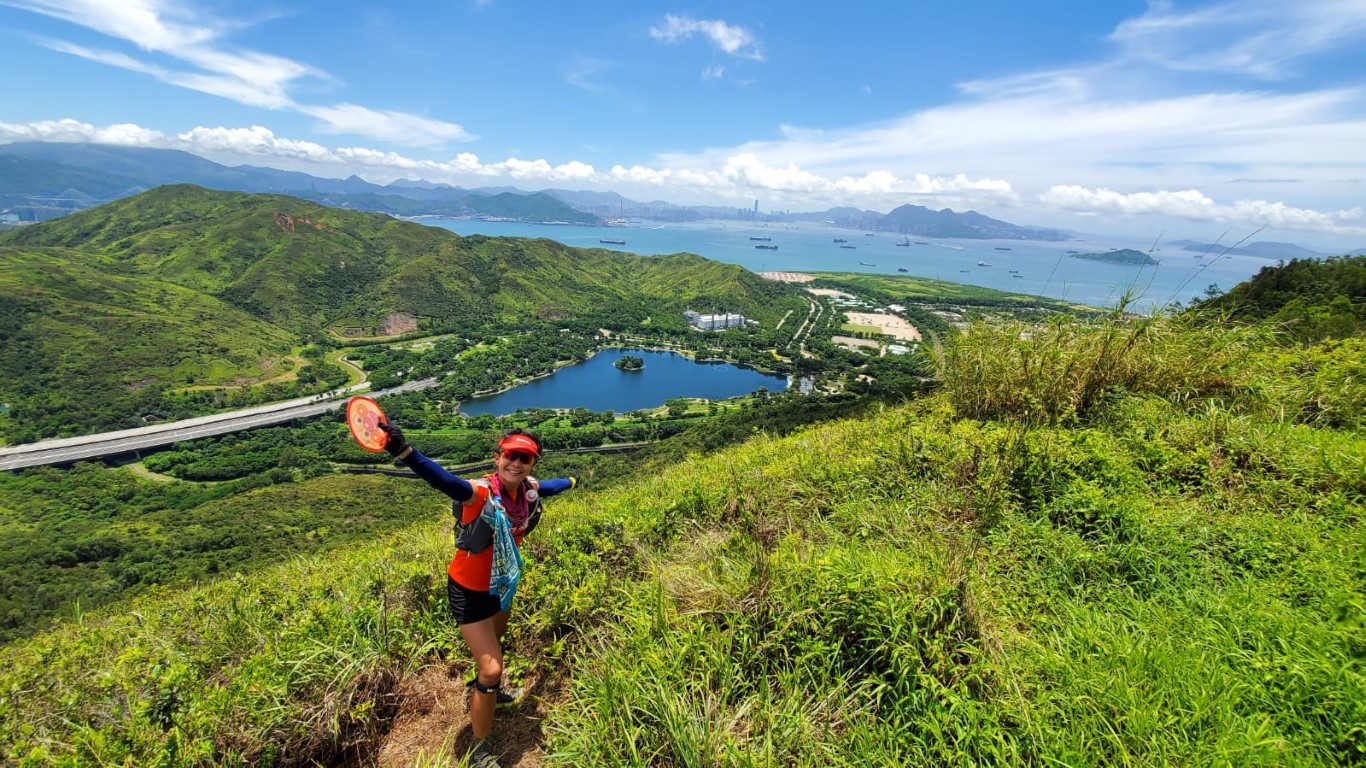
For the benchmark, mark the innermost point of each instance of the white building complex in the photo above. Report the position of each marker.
(713, 322)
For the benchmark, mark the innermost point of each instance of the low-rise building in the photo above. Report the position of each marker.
(719, 322)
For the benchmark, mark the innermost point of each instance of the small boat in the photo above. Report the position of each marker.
(767, 247)
(607, 241)
(983, 263)
(765, 239)
(867, 264)
(964, 271)
(905, 241)
(1013, 271)
(867, 234)
(1002, 248)
(850, 247)
(840, 240)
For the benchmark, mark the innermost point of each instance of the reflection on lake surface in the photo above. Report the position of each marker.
(599, 386)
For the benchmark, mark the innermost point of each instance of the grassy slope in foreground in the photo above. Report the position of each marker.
(1175, 578)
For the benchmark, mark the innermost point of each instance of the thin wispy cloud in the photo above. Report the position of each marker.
(398, 127)
(183, 34)
(583, 73)
(1259, 38)
(731, 39)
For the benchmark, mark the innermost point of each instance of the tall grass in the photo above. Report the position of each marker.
(1059, 372)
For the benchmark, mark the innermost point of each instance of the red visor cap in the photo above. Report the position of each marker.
(519, 443)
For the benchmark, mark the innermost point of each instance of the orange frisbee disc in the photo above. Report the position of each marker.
(364, 416)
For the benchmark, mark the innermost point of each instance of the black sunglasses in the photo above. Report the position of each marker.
(522, 456)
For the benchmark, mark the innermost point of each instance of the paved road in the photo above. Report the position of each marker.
(69, 449)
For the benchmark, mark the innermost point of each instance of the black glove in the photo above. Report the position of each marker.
(396, 443)
(575, 482)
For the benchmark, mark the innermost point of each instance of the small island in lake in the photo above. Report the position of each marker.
(1119, 256)
(630, 363)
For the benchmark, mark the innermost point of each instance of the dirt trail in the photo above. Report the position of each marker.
(433, 720)
(141, 471)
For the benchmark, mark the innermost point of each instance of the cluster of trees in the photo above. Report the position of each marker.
(1309, 299)
(630, 363)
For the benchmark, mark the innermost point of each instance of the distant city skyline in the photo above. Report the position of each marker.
(1193, 119)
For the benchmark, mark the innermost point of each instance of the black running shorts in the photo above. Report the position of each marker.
(469, 605)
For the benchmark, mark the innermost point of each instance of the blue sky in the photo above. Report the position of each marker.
(1161, 119)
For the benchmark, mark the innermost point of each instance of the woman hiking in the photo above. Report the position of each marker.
(492, 515)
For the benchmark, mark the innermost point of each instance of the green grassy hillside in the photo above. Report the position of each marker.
(304, 266)
(186, 286)
(1105, 553)
(83, 336)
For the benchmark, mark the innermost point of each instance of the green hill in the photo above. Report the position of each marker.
(1119, 256)
(1123, 542)
(1310, 298)
(305, 266)
(86, 343)
(270, 273)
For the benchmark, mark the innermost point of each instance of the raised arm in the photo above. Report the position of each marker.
(437, 476)
(557, 485)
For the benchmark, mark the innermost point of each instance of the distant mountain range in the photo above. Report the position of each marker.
(44, 180)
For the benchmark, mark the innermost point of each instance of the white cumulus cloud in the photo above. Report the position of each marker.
(1193, 205)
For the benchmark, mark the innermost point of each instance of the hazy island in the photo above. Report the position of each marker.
(630, 363)
(1120, 256)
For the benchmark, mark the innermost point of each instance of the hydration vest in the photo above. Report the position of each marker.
(478, 535)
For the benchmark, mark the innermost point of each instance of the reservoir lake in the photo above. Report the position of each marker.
(1039, 268)
(598, 385)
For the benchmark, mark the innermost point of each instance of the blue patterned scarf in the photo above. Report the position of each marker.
(507, 559)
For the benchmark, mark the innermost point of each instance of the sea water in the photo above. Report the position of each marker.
(1018, 266)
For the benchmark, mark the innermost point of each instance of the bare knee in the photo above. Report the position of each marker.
(490, 670)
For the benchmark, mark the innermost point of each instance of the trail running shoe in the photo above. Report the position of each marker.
(510, 697)
(481, 757)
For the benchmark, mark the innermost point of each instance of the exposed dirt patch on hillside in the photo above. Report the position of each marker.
(433, 719)
(288, 223)
(397, 324)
